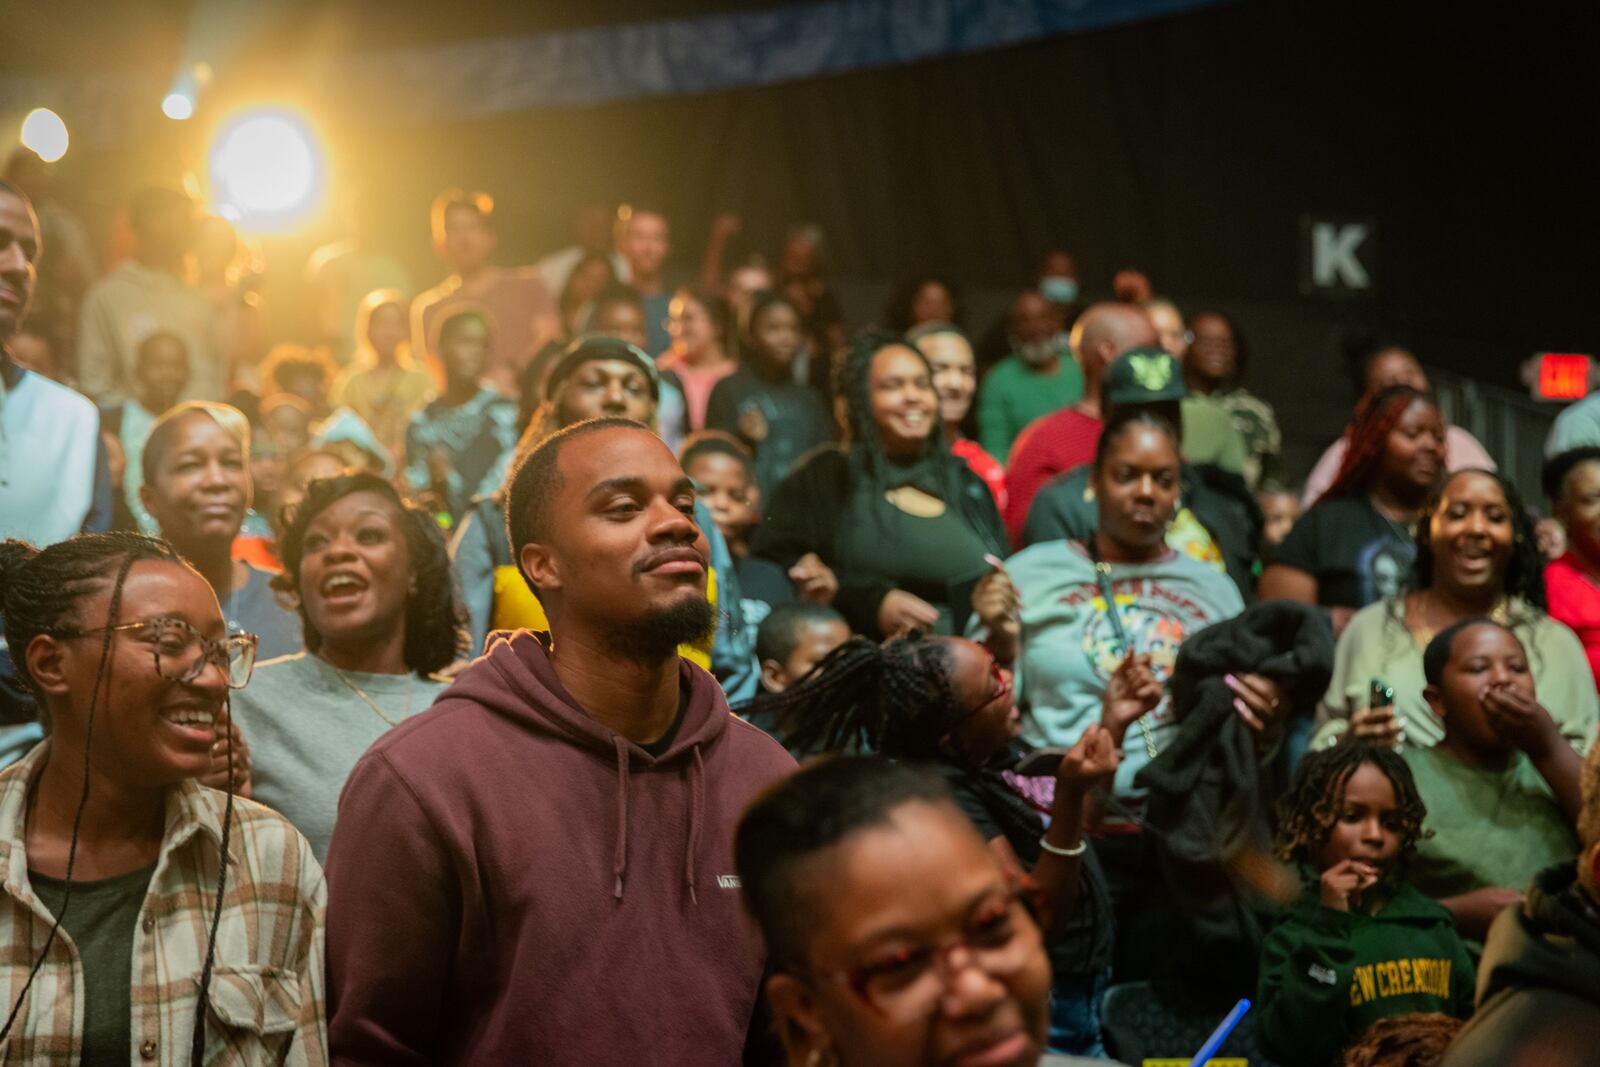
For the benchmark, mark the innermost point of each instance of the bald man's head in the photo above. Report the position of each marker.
(1103, 333)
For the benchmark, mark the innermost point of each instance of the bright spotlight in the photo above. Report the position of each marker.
(267, 166)
(45, 133)
(177, 107)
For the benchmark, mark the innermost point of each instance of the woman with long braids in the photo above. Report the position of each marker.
(125, 936)
(945, 702)
(906, 526)
(1476, 557)
(1356, 544)
(380, 612)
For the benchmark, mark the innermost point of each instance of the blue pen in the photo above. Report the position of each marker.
(1220, 1034)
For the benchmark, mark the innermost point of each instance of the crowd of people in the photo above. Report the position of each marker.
(593, 662)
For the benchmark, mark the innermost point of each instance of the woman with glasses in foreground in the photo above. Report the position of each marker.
(166, 954)
(894, 934)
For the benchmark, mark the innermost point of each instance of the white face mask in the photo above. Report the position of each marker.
(1058, 288)
(1038, 353)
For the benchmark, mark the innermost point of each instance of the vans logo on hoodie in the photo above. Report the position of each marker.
(1325, 975)
(728, 881)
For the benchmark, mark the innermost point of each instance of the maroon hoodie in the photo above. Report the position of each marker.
(511, 882)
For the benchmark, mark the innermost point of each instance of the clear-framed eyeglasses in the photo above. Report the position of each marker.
(907, 983)
(182, 652)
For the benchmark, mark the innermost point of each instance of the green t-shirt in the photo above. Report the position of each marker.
(1490, 827)
(939, 559)
(101, 919)
(1012, 396)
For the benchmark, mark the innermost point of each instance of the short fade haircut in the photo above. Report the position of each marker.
(1437, 654)
(1556, 469)
(779, 633)
(536, 480)
(452, 322)
(156, 338)
(717, 443)
(616, 293)
(482, 204)
(815, 808)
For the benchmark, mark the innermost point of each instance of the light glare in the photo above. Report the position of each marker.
(267, 167)
(177, 107)
(45, 134)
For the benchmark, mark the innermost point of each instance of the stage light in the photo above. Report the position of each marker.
(177, 107)
(267, 167)
(45, 134)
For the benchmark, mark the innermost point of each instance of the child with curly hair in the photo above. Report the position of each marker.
(1362, 944)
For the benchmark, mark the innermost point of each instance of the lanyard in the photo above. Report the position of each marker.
(1102, 574)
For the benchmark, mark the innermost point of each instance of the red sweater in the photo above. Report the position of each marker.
(511, 882)
(1051, 444)
(984, 466)
(1574, 598)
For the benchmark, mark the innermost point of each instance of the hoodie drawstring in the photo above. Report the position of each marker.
(697, 781)
(620, 866)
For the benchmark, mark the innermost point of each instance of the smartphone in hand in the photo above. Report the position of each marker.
(1041, 762)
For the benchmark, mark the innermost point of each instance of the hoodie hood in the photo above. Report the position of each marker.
(516, 679)
(1552, 942)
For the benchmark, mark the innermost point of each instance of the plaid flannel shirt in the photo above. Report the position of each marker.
(266, 997)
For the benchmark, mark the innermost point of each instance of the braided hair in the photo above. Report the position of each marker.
(1367, 436)
(893, 698)
(40, 589)
(1524, 575)
(1309, 810)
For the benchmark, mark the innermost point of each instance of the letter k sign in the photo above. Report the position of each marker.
(1333, 255)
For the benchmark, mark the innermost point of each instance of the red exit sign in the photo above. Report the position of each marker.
(1562, 376)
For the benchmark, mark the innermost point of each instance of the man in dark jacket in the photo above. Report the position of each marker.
(1539, 980)
(539, 868)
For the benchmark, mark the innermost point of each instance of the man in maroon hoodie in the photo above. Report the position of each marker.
(539, 869)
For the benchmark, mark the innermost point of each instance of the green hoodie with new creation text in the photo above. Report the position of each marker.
(1327, 975)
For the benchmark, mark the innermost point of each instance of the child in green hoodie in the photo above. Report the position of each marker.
(1362, 944)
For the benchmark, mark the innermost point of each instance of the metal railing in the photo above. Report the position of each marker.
(1510, 425)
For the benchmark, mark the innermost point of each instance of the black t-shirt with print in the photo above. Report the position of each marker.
(764, 587)
(1356, 554)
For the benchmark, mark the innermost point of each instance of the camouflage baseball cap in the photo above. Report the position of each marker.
(1143, 376)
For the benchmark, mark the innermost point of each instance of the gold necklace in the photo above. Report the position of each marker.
(358, 691)
(1424, 633)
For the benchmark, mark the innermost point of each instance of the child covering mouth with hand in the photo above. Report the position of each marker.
(1362, 944)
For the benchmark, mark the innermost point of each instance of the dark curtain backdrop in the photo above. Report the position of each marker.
(1187, 146)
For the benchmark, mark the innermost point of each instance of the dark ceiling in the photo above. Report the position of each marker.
(82, 36)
